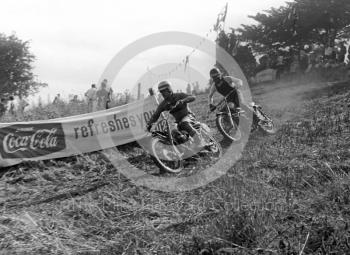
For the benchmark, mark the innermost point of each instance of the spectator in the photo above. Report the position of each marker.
(334, 54)
(279, 65)
(2, 106)
(312, 62)
(294, 66)
(263, 63)
(188, 89)
(109, 98)
(318, 60)
(104, 96)
(22, 104)
(304, 61)
(91, 96)
(341, 53)
(74, 99)
(328, 52)
(57, 99)
(12, 105)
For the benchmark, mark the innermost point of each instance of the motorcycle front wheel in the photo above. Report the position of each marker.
(229, 131)
(165, 156)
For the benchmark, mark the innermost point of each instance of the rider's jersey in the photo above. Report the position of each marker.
(179, 112)
(225, 86)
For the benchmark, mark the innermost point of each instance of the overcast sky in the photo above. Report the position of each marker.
(73, 41)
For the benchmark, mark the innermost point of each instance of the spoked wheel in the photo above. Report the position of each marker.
(165, 156)
(229, 131)
(266, 123)
(213, 147)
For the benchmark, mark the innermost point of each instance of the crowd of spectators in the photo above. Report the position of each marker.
(317, 60)
(7, 105)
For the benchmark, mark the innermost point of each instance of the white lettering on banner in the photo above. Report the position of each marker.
(41, 139)
(93, 127)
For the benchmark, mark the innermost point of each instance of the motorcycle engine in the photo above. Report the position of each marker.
(179, 137)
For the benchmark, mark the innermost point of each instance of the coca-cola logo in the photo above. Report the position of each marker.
(32, 140)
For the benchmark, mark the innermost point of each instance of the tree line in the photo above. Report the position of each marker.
(291, 27)
(298, 23)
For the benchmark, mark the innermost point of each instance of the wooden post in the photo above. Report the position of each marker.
(138, 91)
(151, 93)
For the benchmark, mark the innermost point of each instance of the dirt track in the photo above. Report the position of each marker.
(285, 100)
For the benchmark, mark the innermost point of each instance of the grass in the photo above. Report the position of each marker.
(289, 194)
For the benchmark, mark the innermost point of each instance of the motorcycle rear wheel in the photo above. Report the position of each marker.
(265, 123)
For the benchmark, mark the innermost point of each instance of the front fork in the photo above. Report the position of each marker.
(171, 138)
(230, 115)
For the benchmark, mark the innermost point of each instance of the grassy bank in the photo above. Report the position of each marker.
(290, 193)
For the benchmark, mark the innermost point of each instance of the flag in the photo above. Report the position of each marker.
(224, 13)
(187, 59)
(221, 18)
(295, 18)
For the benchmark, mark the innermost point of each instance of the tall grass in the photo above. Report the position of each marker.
(289, 194)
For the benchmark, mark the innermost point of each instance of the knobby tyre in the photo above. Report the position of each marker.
(225, 127)
(165, 157)
(265, 123)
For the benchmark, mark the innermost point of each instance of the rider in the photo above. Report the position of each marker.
(228, 86)
(176, 104)
(224, 85)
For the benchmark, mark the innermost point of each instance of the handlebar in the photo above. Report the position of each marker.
(166, 119)
(224, 99)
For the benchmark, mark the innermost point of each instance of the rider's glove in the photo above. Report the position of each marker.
(212, 107)
(148, 127)
(179, 103)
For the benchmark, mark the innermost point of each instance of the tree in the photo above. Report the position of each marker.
(300, 22)
(16, 76)
(241, 53)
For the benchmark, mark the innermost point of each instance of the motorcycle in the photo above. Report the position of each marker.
(228, 117)
(170, 147)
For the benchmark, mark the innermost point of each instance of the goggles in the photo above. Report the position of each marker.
(166, 89)
(215, 76)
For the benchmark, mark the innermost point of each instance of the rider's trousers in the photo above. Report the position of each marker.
(185, 124)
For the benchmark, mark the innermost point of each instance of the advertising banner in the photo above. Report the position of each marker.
(63, 137)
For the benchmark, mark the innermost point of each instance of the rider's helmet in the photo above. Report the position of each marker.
(214, 73)
(164, 85)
